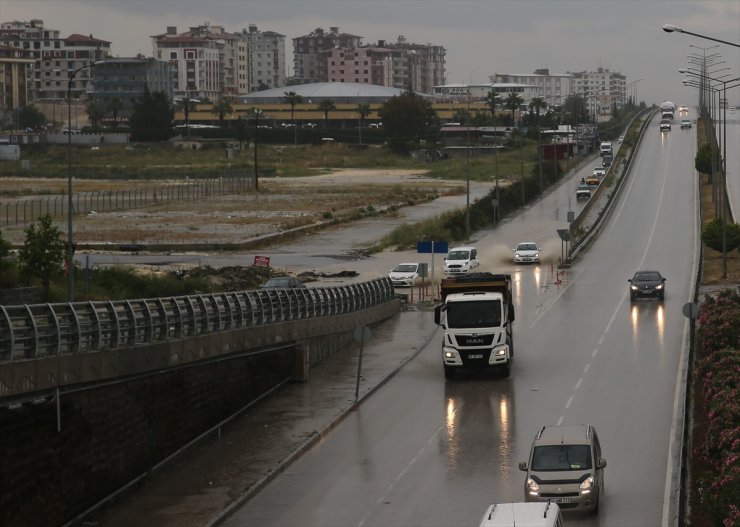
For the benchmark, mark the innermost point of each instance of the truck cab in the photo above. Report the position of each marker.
(477, 315)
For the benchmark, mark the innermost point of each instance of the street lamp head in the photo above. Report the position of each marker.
(670, 28)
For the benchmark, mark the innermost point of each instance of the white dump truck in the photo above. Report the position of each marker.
(477, 315)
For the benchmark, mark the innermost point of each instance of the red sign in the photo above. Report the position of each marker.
(262, 261)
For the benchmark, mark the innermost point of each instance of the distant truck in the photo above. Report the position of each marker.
(477, 314)
(667, 110)
(606, 148)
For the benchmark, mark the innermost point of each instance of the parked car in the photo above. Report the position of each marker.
(407, 274)
(685, 123)
(527, 252)
(647, 283)
(565, 467)
(285, 282)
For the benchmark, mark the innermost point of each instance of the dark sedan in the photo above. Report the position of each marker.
(647, 283)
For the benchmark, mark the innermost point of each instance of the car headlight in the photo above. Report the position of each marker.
(536, 255)
(633, 287)
(517, 255)
(587, 484)
(532, 486)
(659, 286)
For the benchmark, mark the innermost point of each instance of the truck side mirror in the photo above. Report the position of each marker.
(437, 314)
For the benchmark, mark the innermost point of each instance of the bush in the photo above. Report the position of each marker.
(711, 235)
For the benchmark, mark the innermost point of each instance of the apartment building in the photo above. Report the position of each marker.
(15, 67)
(56, 57)
(308, 59)
(266, 58)
(196, 62)
(365, 65)
(125, 79)
(416, 67)
(602, 89)
(553, 88)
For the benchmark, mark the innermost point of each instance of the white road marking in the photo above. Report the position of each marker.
(586, 368)
(578, 384)
(570, 400)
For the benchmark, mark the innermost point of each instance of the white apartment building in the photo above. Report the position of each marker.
(56, 57)
(266, 58)
(553, 88)
(196, 61)
(602, 89)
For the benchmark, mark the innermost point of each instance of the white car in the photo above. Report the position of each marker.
(527, 252)
(600, 171)
(406, 274)
(460, 260)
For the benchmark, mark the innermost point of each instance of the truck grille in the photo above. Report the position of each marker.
(474, 340)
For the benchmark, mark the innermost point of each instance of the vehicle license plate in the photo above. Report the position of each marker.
(562, 500)
(476, 356)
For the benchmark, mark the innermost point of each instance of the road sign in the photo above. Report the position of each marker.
(564, 234)
(432, 247)
(261, 261)
(690, 310)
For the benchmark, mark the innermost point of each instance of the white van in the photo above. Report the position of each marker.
(606, 148)
(522, 515)
(461, 260)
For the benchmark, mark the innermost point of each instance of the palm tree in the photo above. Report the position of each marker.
(363, 110)
(513, 102)
(186, 104)
(113, 107)
(491, 101)
(326, 106)
(222, 108)
(537, 104)
(293, 98)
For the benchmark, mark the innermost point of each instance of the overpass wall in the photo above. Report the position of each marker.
(64, 453)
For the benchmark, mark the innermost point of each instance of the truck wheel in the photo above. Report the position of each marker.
(449, 372)
(506, 370)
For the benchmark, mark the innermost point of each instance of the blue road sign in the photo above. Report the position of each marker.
(432, 247)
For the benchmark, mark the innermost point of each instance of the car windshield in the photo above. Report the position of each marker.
(458, 255)
(647, 277)
(526, 247)
(484, 314)
(405, 268)
(561, 457)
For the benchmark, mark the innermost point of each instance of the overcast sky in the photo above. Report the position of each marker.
(481, 37)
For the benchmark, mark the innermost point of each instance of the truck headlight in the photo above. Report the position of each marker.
(532, 486)
(500, 352)
(449, 354)
(587, 485)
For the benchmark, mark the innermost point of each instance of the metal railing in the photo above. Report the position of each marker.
(47, 330)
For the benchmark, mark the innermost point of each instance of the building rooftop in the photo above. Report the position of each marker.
(325, 90)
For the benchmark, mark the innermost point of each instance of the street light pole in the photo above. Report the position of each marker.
(670, 28)
(257, 113)
(70, 241)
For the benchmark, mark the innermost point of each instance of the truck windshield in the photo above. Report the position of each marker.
(484, 314)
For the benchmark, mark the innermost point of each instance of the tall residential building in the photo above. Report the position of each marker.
(56, 57)
(125, 79)
(308, 59)
(416, 67)
(266, 58)
(366, 65)
(15, 64)
(196, 60)
(602, 89)
(554, 88)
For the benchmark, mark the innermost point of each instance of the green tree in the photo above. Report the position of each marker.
(95, 113)
(711, 235)
(537, 104)
(30, 117)
(187, 104)
(575, 108)
(513, 102)
(326, 106)
(222, 108)
(492, 100)
(703, 159)
(42, 253)
(113, 106)
(407, 118)
(152, 117)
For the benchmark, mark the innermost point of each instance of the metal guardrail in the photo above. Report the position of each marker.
(48, 330)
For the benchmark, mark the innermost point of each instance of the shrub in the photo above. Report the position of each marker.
(711, 235)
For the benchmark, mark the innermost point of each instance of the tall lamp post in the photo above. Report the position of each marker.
(723, 166)
(257, 113)
(70, 244)
(670, 28)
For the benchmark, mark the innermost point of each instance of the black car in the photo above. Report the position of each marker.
(647, 283)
